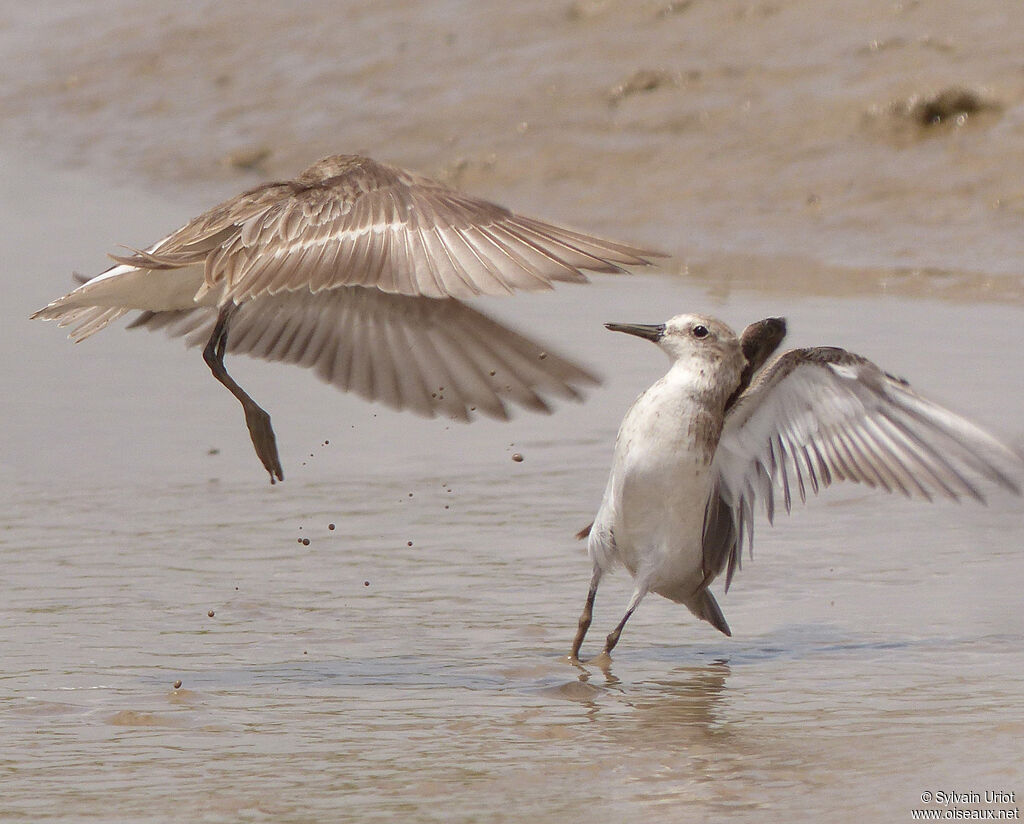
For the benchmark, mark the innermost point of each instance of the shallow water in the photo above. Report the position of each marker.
(877, 649)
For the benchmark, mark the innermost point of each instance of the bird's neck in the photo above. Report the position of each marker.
(708, 383)
(686, 408)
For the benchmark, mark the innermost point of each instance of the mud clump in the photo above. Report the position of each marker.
(925, 116)
(247, 159)
(954, 105)
(642, 80)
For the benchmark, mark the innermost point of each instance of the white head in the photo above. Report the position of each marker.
(696, 340)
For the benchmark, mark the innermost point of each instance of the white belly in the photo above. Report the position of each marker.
(660, 487)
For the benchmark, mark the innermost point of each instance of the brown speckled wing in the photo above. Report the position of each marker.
(351, 221)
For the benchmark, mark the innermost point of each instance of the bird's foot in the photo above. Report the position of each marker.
(602, 662)
(573, 660)
(263, 440)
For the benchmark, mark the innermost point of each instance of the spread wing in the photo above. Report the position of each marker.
(821, 415)
(433, 357)
(351, 221)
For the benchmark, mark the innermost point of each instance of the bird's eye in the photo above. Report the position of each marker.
(700, 331)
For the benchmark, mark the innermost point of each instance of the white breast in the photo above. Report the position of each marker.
(659, 487)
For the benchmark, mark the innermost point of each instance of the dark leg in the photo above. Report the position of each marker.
(586, 616)
(258, 421)
(613, 638)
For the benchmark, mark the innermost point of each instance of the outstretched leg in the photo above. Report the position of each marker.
(586, 615)
(634, 602)
(258, 421)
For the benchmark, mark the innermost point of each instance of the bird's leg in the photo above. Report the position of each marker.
(258, 421)
(586, 615)
(613, 637)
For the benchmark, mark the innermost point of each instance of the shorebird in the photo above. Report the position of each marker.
(701, 445)
(358, 269)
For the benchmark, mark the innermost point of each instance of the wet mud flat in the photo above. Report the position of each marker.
(410, 660)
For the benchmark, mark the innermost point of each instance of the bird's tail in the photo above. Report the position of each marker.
(120, 289)
(87, 306)
(705, 607)
(584, 533)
